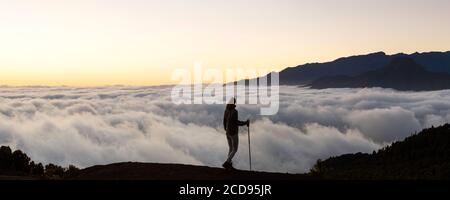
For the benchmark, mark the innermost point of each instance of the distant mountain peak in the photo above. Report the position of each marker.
(379, 53)
(360, 64)
(404, 64)
(364, 56)
(401, 73)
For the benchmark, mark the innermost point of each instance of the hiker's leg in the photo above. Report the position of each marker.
(230, 145)
(234, 146)
(235, 143)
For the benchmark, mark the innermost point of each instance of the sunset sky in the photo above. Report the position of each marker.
(141, 42)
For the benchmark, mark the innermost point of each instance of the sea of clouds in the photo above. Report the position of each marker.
(90, 126)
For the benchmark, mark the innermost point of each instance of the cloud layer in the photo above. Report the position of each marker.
(88, 126)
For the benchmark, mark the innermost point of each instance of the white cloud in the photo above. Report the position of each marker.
(384, 124)
(88, 126)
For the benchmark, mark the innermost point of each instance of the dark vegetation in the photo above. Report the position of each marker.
(425, 155)
(18, 163)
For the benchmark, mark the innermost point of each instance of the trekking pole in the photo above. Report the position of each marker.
(249, 148)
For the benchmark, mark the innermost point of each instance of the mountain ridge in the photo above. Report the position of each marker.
(434, 61)
(402, 73)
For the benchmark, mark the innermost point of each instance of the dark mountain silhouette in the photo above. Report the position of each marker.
(356, 65)
(350, 66)
(433, 61)
(425, 155)
(402, 73)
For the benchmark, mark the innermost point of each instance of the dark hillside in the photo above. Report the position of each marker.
(425, 155)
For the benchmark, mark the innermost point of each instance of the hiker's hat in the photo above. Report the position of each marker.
(232, 101)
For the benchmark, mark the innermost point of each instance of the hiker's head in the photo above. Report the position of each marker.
(232, 101)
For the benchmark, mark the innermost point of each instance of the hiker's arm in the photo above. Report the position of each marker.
(239, 123)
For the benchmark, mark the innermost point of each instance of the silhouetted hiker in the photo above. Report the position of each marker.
(231, 125)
